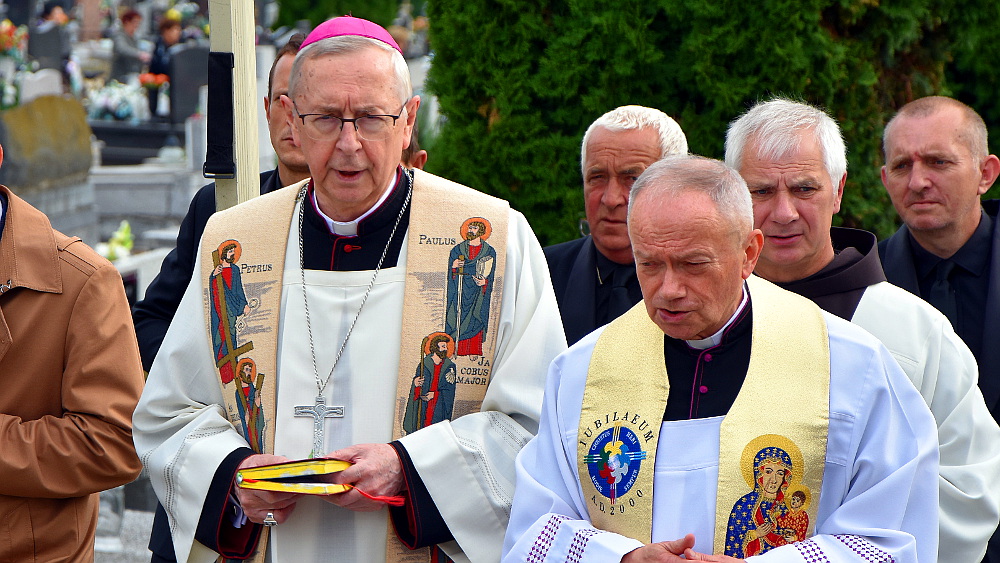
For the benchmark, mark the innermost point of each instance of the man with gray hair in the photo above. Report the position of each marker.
(794, 161)
(594, 276)
(335, 313)
(723, 411)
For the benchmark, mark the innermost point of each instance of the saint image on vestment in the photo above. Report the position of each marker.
(794, 525)
(229, 302)
(470, 287)
(432, 392)
(248, 401)
(761, 519)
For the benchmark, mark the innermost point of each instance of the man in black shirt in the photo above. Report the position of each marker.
(594, 276)
(937, 165)
(152, 315)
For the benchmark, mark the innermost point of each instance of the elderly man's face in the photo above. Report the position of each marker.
(932, 177)
(614, 160)
(794, 201)
(350, 173)
(690, 262)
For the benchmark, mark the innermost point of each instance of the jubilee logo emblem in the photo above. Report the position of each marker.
(613, 462)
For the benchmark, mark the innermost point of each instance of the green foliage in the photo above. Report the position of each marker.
(973, 76)
(381, 12)
(120, 243)
(519, 82)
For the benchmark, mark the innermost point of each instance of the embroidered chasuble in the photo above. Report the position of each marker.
(445, 294)
(770, 467)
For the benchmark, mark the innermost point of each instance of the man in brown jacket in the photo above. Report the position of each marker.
(71, 379)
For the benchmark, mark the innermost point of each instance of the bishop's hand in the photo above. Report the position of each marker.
(376, 470)
(255, 503)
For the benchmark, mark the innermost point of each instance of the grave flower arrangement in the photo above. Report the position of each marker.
(151, 81)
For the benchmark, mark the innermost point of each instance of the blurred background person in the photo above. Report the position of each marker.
(159, 62)
(127, 57)
(48, 39)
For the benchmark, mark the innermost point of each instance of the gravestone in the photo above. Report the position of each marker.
(49, 47)
(188, 73)
(148, 196)
(20, 13)
(47, 155)
(44, 141)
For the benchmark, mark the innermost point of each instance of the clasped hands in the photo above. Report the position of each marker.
(376, 470)
(672, 552)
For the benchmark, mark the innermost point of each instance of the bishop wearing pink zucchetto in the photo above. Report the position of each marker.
(359, 287)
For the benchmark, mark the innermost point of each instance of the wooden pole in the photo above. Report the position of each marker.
(232, 31)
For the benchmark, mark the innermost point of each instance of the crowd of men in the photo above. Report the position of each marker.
(742, 379)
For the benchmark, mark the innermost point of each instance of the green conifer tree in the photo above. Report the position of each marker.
(519, 82)
(381, 12)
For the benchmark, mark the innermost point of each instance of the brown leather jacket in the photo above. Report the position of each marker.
(71, 377)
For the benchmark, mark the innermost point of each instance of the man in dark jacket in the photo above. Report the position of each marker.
(594, 276)
(937, 165)
(152, 315)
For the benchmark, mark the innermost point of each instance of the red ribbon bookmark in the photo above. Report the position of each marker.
(391, 501)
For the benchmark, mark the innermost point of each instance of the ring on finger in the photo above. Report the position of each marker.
(269, 520)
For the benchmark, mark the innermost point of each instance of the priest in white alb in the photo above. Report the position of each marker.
(723, 419)
(345, 277)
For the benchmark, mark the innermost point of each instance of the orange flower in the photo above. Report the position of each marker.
(153, 81)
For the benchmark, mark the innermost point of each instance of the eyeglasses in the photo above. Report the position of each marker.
(327, 127)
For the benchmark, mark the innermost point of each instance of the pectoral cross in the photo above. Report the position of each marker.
(319, 412)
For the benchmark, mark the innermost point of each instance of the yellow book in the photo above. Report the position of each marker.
(304, 477)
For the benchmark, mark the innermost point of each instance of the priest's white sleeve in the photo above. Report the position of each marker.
(180, 430)
(467, 464)
(944, 371)
(549, 519)
(879, 500)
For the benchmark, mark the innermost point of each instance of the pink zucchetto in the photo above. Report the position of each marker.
(350, 25)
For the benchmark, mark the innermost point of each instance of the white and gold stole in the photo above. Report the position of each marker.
(766, 429)
(454, 286)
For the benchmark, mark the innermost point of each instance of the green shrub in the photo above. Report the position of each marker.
(519, 82)
(381, 12)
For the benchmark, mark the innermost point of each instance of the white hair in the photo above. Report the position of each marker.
(688, 172)
(627, 118)
(347, 44)
(774, 127)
